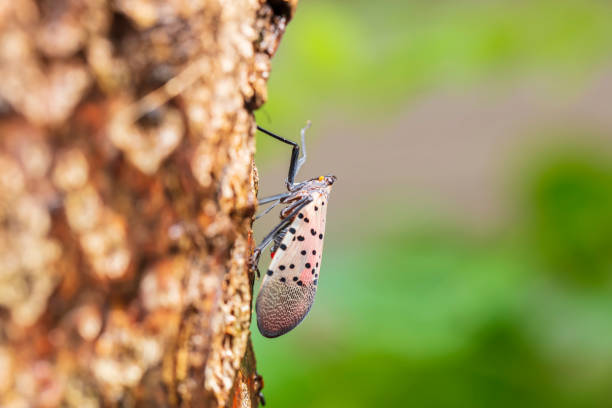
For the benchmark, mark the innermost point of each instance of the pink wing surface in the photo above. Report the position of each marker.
(289, 286)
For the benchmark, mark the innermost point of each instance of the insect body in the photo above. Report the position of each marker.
(290, 283)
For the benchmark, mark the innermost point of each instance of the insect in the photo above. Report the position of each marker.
(289, 285)
(259, 384)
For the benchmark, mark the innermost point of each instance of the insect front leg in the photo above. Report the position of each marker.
(267, 210)
(275, 197)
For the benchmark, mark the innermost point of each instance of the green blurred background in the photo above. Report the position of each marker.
(468, 258)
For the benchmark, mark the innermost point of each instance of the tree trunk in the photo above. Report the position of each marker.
(127, 190)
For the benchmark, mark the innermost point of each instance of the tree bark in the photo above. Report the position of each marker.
(127, 190)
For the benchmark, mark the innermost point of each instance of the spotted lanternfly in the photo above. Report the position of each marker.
(289, 286)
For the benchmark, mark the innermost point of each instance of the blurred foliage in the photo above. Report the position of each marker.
(365, 56)
(433, 315)
(570, 210)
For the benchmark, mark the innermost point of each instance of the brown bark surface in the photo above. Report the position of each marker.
(127, 189)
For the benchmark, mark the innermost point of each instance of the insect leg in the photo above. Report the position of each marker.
(302, 159)
(275, 197)
(259, 384)
(267, 210)
(284, 223)
(295, 164)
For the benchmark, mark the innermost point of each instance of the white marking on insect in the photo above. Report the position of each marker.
(289, 286)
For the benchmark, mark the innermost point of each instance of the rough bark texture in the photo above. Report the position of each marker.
(127, 189)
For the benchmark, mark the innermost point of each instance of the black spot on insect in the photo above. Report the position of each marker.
(293, 239)
(314, 281)
(313, 271)
(317, 265)
(303, 252)
(282, 267)
(323, 203)
(295, 278)
(316, 275)
(316, 208)
(283, 246)
(307, 265)
(292, 230)
(291, 266)
(320, 236)
(306, 220)
(283, 279)
(300, 238)
(314, 251)
(313, 232)
(270, 272)
(300, 216)
(300, 283)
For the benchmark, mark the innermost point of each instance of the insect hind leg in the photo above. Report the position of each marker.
(302, 159)
(296, 161)
(295, 152)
